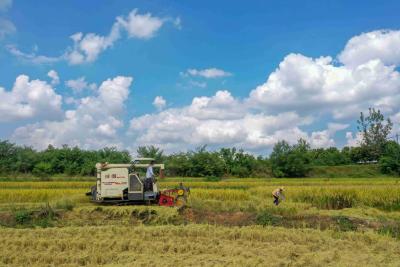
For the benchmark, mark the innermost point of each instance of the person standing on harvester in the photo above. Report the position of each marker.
(278, 195)
(149, 177)
(149, 172)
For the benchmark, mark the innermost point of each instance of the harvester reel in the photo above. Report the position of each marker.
(180, 201)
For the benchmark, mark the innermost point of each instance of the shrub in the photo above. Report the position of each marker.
(22, 217)
(265, 218)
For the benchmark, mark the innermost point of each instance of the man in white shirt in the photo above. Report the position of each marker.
(149, 172)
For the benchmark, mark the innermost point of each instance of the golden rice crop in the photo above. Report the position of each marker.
(220, 194)
(252, 182)
(386, 197)
(41, 195)
(45, 185)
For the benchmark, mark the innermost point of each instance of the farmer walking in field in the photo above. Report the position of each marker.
(278, 195)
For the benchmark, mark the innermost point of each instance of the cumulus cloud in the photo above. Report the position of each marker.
(300, 87)
(86, 48)
(29, 99)
(142, 26)
(55, 79)
(80, 84)
(325, 138)
(159, 102)
(302, 94)
(222, 120)
(306, 85)
(93, 124)
(217, 120)
(383, 45)
(207, 73)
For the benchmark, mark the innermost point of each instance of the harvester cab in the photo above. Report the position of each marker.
(121, 183)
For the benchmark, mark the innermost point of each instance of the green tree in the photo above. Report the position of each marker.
(290, 161)
(178, 164)
(390, 161)
(42, 169)
(8, 156)
(375, 130)
(228, 156)
(205, 163)
(150, 152)
(329, 156)
(244, 164)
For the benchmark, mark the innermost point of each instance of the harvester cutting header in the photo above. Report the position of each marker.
(120, 183)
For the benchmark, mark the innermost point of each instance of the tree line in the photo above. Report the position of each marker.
(286, 160)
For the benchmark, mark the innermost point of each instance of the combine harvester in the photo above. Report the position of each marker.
(120, 184)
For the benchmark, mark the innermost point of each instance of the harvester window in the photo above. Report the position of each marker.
(135, 184)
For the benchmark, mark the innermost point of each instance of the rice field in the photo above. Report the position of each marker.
(233, 222)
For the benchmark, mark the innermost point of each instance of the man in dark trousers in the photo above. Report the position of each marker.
(278, 195)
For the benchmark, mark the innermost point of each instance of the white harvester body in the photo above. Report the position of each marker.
(121, 183)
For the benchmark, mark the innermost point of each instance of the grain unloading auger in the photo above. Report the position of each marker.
(120, 183)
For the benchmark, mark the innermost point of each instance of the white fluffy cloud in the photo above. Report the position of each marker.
(353, 140)
(383, 45)
(159, 102)
(301, 86)
(55, 79)
(316, 85)
(222, 120)
(302, 93)
(207, 73)
(80, 84)
(28, 99)
(143, 26)
(217, 120)
(93, 124)
(86, 48)
(325, 138)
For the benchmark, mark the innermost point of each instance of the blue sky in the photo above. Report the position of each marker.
(186, 73)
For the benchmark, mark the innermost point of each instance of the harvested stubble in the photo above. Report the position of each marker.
(194, 245)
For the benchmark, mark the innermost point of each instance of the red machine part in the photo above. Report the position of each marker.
(166, 200)
(172, 197)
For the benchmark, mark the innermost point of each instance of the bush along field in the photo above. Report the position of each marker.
(341, 222)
